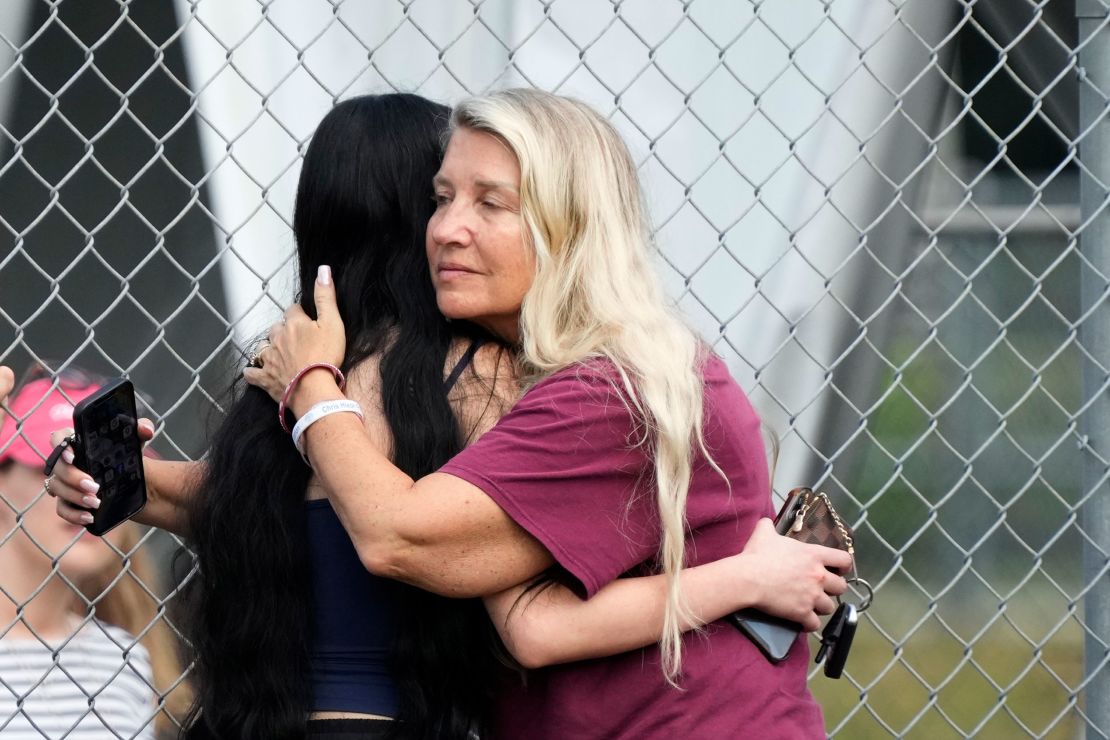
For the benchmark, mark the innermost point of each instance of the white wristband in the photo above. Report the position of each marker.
(317, 412)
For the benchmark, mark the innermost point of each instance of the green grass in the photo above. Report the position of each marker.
(1015, 677)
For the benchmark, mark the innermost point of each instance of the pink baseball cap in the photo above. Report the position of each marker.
(36, 411)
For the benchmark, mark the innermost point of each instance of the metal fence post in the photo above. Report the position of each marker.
(1093, 61)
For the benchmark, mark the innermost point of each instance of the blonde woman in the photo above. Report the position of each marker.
(632, 450)
(83, 648)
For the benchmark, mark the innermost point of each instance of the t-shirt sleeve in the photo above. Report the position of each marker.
(564, 464)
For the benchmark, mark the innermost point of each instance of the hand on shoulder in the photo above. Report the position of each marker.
(297, 342)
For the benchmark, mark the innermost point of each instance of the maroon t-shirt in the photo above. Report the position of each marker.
(564, 465)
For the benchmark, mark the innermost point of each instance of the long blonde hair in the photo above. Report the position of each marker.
(129, 598)
(596, 294)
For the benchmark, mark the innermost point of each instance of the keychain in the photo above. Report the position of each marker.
(836, 638)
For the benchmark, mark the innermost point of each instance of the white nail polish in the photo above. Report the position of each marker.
(89, 485)
(323, 274)
(67, 455)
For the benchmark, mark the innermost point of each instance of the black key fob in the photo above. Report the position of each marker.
(836, 639)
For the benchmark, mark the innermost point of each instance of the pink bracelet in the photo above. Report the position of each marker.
(339, 379)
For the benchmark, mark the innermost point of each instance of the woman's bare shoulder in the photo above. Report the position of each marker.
(486, 389)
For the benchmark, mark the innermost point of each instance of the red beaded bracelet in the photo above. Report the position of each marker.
(339, 379)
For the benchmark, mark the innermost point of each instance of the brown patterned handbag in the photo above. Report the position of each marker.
(808, 516)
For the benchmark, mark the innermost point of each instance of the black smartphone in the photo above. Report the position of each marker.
(106, 446)
(773, 635)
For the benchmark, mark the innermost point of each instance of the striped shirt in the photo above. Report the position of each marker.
(97, 685)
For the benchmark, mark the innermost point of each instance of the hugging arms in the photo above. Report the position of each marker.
(492, 557)
(630, 452)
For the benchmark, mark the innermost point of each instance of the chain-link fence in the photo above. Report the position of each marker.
(889, 216)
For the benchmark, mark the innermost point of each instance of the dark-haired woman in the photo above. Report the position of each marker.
(375, 647)
(286, 623)
(290, 625)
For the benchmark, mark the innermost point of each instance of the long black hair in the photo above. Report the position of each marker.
(363, 202)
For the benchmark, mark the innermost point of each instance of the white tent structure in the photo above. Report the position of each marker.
(752, 153)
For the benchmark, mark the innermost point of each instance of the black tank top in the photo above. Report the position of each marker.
(354, 617)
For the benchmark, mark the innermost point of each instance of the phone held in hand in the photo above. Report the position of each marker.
(773, 635)
(107, 447)
(808, 516)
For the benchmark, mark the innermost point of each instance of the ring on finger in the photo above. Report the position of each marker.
(254, 359)
(46, 486)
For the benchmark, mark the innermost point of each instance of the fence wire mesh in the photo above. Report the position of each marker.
(889, 216)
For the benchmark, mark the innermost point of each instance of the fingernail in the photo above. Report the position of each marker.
(86, 517)
(91, 502)
(90, 485)
(324, 275)
(67, 455)
(147, 425)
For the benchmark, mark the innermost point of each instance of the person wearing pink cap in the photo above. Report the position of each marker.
(67, 666)
(36, 410)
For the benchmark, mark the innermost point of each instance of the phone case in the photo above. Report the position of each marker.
(774, 636)
(106, 445)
